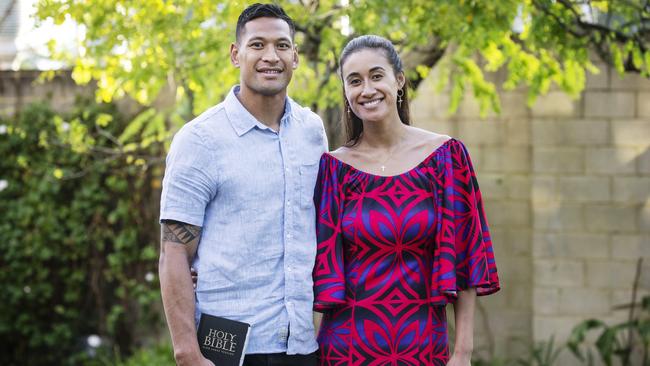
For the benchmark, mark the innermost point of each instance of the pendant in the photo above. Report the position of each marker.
(383, 168)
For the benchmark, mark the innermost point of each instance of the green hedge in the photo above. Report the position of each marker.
(78, 248)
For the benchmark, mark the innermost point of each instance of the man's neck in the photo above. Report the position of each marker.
(266, 109)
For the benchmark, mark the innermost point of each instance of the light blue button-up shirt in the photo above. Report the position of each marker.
(251, 190)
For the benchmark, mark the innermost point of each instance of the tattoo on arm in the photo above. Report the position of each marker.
(180, 232)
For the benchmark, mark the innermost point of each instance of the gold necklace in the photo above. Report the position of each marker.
(390, 155)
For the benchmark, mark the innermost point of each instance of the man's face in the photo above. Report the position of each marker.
(265, 55)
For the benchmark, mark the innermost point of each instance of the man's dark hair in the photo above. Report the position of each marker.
(260, 11)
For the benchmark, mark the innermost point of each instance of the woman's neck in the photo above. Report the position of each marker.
(383, 134)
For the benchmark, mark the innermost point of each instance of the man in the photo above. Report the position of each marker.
(237, 205)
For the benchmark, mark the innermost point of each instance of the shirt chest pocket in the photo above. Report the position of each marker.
(308, 174)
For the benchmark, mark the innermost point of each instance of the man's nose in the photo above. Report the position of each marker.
(270, 55)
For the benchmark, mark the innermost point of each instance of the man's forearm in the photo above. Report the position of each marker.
(179, 244)
(178, 302)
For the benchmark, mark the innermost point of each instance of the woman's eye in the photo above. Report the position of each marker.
(377, 77)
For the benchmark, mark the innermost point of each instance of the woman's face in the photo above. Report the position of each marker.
(371, 85)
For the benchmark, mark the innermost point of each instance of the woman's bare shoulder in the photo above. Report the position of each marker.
(346, 154)
(427, 139)
(340, 152)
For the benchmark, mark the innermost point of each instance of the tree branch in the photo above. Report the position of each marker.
(428, 56)
(582, 29)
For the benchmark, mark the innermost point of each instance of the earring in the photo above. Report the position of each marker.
(400, 93)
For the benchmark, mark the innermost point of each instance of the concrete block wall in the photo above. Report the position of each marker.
(20, 88)
(566, 185)
(591, 189)
(500, 148)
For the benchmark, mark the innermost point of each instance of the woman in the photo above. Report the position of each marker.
(400, 226)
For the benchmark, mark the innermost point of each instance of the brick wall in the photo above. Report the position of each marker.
(567, 191)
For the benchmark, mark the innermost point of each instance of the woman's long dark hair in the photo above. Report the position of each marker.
(353, 124)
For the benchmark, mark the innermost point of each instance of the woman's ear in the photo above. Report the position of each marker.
(401, 79)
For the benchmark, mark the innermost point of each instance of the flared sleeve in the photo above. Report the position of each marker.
(329, 273)
(464, 256)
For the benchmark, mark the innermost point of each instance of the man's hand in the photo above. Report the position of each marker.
(193, 361)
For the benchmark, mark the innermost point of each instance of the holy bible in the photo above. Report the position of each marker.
(223, 341)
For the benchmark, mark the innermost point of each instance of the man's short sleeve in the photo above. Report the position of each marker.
(188, 185)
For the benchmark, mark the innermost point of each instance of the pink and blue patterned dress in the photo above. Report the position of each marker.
(392, 252)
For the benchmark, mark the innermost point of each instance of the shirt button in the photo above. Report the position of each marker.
(289, 203)
(289, 236)
(289, 269)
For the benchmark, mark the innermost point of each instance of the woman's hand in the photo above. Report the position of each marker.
(195, 276)
(459, 360)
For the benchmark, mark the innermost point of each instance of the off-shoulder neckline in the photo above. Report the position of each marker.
(423, 162)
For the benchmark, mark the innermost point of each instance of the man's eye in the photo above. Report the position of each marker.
(257, 45)
(283, 46)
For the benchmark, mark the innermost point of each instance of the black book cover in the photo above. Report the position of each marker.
(223, 341)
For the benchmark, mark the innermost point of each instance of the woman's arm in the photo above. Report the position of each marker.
(318, 317)
(464, 322)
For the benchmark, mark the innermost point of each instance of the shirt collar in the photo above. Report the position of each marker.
(242, 120)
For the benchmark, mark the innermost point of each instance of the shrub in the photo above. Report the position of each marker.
(79, 236)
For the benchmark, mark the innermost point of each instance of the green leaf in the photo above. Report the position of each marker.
(103, 119)
(578, 333)
(617, 56)
(137, 124)
(645, 303)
